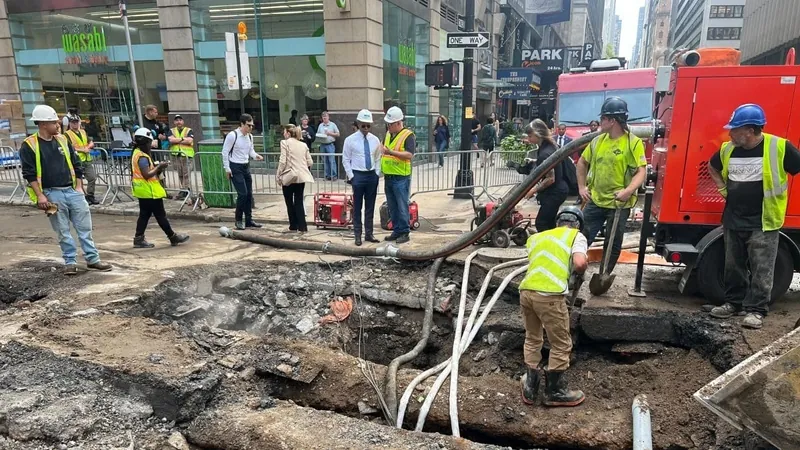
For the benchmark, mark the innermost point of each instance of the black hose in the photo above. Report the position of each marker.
(465, 240)
(390, 380)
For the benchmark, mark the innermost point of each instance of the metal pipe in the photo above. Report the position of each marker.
(642, 430)
(123, 11)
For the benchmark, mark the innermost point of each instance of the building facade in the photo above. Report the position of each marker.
(637, 48)
(722, 23)
(609, 22)
(770, 29)
(617, 34)
(687, 24)
(655, 47)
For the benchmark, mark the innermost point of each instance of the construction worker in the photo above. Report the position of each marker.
(398, 151)
(361, 154)
(83, 146)
(750, 171)
(147, 189)
(53, 171)
(181, 147)
(553, 256)
(617, 162)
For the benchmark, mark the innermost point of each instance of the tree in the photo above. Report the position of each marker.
(608, 51)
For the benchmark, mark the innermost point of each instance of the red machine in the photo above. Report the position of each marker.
(697, 103)
(513, 228)
(333, 210)
(413, 216)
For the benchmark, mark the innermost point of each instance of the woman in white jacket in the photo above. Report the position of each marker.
(293, 174)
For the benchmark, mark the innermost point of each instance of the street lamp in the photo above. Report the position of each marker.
(123, 12)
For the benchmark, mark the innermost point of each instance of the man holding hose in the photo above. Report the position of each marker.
(553, 256)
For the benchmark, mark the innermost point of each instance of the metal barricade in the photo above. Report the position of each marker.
(99, 162)
(11, 171)
(178, 177)
(500, 169)
(437, 171)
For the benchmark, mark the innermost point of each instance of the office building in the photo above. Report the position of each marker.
(637, 48)
(617, 34)
(770, 29)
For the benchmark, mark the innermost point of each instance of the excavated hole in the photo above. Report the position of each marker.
(289, 299)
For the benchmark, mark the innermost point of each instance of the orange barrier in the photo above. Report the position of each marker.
(626, 257)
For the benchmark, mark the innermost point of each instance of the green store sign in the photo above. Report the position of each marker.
(83, 40)
(408, 54)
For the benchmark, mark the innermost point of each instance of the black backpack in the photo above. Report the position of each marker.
(570, 175)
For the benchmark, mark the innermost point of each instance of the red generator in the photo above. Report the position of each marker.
(333, 210)
(413, 216)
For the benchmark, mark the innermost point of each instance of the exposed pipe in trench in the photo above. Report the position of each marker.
(390, 381)
(642, 428)
(512, 198)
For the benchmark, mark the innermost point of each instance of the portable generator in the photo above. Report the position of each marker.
(413, 216)
(513, 227)
(333, 210)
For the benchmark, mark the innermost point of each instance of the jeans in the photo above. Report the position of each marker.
(751, 289)
(365, 190)
(440, 148)
(72, 208)
(152, 207)
(293, 196)
(397, 189)
(90, 174)
(548, 210)
(243, 183)
(329, 160)
(595, 217)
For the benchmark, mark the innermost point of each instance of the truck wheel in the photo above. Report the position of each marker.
(711, 269)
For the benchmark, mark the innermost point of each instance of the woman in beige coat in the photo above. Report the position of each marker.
(293, 174)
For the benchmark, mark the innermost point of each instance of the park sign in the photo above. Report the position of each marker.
(547, 59)
(83, 39)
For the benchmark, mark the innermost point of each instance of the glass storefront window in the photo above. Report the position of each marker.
(285, 19)
(405, 52)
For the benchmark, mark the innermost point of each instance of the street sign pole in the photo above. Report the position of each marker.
(239, 73)
(464, 178)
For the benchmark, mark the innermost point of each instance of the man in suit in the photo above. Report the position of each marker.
(561, 138)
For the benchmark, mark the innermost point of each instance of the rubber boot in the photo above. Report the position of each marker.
(178, 238)
(557, 393)
(140, 242)
(530, 386)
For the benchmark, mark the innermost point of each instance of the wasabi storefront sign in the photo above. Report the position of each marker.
(84, 44)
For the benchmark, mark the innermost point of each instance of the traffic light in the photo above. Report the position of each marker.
(442, 74)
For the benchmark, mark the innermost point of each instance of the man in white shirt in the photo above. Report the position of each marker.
(237, 150)
(327, 132)
(361, 156)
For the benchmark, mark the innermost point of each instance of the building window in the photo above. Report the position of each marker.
(727, 12)
(724, 33)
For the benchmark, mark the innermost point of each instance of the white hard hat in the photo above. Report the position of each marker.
(394, 114)
(364, 116)
(44, 113)
(144, 132)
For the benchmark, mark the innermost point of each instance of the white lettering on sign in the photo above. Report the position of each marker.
(544, 54)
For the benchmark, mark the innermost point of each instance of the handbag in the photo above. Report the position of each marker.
(288, 176)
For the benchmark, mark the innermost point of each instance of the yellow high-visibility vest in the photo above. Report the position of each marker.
(33, 143)
(140, 186)
(186, 150)
(549, 258)
(79, 141)
(775, 180)
(391, 165)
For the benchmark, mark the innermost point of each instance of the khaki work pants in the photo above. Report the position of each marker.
(548, 313)
(181, 164)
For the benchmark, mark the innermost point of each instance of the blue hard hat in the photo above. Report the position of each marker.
(747, 114)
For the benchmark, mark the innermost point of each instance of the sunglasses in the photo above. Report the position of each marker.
(366, 126)
(251, 125)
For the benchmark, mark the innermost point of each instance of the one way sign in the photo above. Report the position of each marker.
(468, 40)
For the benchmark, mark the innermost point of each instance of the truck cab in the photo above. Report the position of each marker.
(581, 94)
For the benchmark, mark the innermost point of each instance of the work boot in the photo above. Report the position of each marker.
(723, 312)
(403, 238)
(140, 242)
(557, 393)
(178, 238)
(100, 266)
(70, 269)
(91, 200)
(753, 321)
(391, 237)
(239, 225)
(530, 386)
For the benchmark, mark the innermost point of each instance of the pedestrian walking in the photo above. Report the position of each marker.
(146, 188)
(751, 172)
(181, 148)
(53, 171)
(83, 145)
(488, 139)
(307, 131)
(292, 175)
(614, 164)
(361, 158)
(553, 256)
(475, 127)
(441, 137)
(327, 132)
(237, 150)
(552, 190)
(397, 150)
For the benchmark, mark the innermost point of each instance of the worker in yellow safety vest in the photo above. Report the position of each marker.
(751, 172)
(398, 150)
(181, 147)
(146, 187)
(83, 146)
(553, 256)
(53, 171)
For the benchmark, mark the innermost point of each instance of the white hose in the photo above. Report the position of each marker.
(469, 336)
(455, 358)
(404, 400)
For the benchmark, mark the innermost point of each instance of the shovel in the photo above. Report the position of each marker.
(601, 282)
